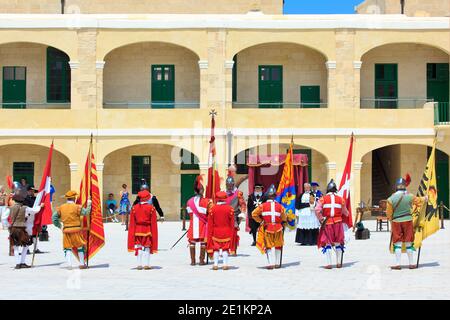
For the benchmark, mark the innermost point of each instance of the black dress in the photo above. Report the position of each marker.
(252, 203)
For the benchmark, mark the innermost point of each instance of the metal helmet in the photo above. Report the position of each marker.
(16, 185)
(20, 193)
(331, 187)
(272, 191)
(230, 180)
(144, 185)
(400, 184)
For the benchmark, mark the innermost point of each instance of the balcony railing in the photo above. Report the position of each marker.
(279, 105)
(398, 103)
(35, 105)
(151, 105)
(442, 113)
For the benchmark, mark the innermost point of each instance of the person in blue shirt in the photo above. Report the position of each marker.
(111, 206)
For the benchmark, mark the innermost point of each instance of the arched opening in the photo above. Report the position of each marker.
(315, 169)
(169, 171)
(383, 166)
(34, 76)
(279, 75)
(404, 76)
(27, 161)
(151, 75)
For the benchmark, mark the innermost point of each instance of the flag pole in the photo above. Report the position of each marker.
(89, 197)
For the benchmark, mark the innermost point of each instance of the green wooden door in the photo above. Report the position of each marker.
(14, 87)
(270, 86)
(386, 85)
(140, 169)
(310, 96)
(187, 189)
(24, 170)
(442, 175)
(163, 86)
(438, 87)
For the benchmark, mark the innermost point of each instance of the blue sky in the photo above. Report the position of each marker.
(320, 6)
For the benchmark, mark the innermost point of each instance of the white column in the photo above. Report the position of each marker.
(331, 171)
(331, 83)
(229, 64)
(357, 83)
(74, 96)
(355, 190)
(74, 176)
(99, 66)
(100, 167)
(203, 65)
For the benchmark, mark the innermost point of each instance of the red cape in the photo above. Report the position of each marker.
(153, 228)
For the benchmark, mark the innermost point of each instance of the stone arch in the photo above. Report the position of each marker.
(128, 73)
(36, 156)
(162, 167)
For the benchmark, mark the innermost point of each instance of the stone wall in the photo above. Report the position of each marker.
(33, 57)
(301, 66)
(412, 62)
(142, 6)
(127, 73)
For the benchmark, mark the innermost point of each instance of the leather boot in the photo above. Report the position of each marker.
(192, 250)
(202, 255)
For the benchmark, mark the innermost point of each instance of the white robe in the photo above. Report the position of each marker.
(307, 218)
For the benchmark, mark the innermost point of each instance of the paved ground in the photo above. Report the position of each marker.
(366, 274)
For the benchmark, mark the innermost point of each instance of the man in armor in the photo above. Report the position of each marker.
(235, 199)
(271, 216)
(399, 212)
(198, 208)
(254, 200)
(330, 209)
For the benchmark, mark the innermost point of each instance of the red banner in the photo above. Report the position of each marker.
(93, 223)
(213, 185)
(344, 188)
(44, 217)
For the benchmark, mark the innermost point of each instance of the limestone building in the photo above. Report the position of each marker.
(142, 76)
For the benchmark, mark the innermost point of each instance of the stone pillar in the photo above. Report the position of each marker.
(84, 82)
(331, 83)
(355, 188)
(357, 84)
(345, 91)
(203, 65)
(100, 167)
(229, 64)
(216, 73)
(331, 171)
(75, 176)
(99, 66)
(74, 71)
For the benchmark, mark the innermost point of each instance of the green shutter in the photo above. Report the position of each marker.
(310, 96)
(386, 85)
(14, 87)
(58, 76)
(163, 86)
(140, 169)
(24, 170)
(438, 87)
(270, 87)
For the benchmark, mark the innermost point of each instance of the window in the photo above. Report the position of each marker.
(188, 160)
(58, 76)
(386, 86)
(24, 170)
(140, 169)
(240, 161)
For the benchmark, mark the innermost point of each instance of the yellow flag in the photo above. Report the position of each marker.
(426, 217)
